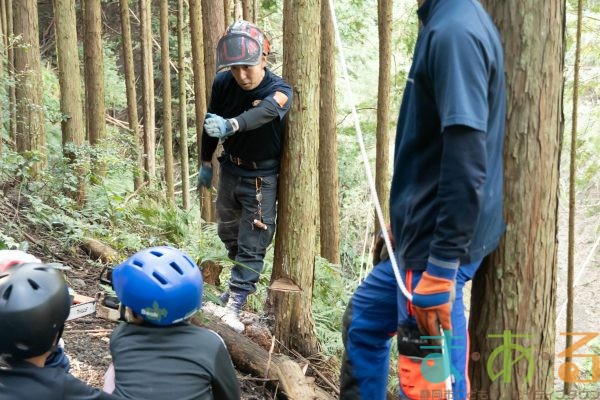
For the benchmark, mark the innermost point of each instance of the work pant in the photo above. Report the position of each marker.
(372, 318)
(237, 208)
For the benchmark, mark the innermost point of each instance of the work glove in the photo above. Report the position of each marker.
(205, 175)
(217, 126)
(433, 297)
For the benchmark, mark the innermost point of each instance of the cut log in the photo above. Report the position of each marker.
(99, 251)
(250, 358)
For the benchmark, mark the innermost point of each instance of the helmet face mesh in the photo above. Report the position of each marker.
(238, 49)
(242, 44)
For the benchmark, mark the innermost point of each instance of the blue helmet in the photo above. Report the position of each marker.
(161, 284)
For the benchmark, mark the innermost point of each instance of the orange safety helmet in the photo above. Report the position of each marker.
(242, 44)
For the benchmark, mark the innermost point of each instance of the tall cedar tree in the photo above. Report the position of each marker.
(167, 117)
(183, 145)
(138, 141)
(95, 109)
(328, 165)
(298, 209)
(12, 96)
(72, 126)
(148, 90)
(382, 157)
(516, 288)
(197, 42)
(213, 26)
(30, 127)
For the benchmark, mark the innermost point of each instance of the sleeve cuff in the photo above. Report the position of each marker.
(442, 268)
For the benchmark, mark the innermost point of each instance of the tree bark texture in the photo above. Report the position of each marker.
(3, 45)
(328, 165)
(72, 125)
(12, 96)
(94, 72)
(298, 209)
(138, 140)
(227, 11)
(167, 117)
(148, 90)
(30, 124)
(247, 10)
(516, 288)
(183, 144)
(213, 27)
(382, 157)
(197, 42)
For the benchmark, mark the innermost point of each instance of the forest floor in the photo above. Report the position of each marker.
(87, 338)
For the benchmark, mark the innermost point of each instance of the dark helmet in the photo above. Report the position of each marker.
(161, 284)
(34, 305)
(242, 44)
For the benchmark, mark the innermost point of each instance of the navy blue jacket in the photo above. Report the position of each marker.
(446, 194)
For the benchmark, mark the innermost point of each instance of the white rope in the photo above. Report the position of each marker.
(365, 157)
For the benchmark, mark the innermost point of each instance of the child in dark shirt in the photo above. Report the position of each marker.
(34, 305)
(157, 354)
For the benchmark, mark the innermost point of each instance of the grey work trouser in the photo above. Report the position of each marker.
(237, 208)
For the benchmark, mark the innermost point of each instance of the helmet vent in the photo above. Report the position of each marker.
(190, 261)
(138, 263)
(176, 268)
(33, 284)
(7, 292)
(156, 253)
(41, 269)
(3, 275)
(159, 278)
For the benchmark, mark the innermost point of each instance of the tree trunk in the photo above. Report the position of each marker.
(94, 77)
(148, 90)
(247, 10)
(132, 113)
(12, 96)
(328, 165)
(516, 289)
(167, 117)
(249, 357)
(226, 11)
(213, 27)
(382, 157)
(183, 145)
(237, 10)
(256, 9)
(30, 124)
(3, 45)
(72, 125)
(197, 42)
(298, 208)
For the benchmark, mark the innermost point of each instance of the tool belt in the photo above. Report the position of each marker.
(262, 164)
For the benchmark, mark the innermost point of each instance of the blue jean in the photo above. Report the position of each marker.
(237, 208)
(372, 318)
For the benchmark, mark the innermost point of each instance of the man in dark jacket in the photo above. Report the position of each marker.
(445, 205)
(246, 112)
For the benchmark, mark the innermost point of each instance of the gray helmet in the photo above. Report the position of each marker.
(34, 305)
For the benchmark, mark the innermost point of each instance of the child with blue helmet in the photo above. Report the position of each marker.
(157, 353)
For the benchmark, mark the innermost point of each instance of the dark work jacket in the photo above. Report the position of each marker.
(456, 82)
(182, 362)
(25, 381)
(229, 100)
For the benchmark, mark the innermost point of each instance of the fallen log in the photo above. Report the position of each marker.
(99, 251)
(249, 357)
